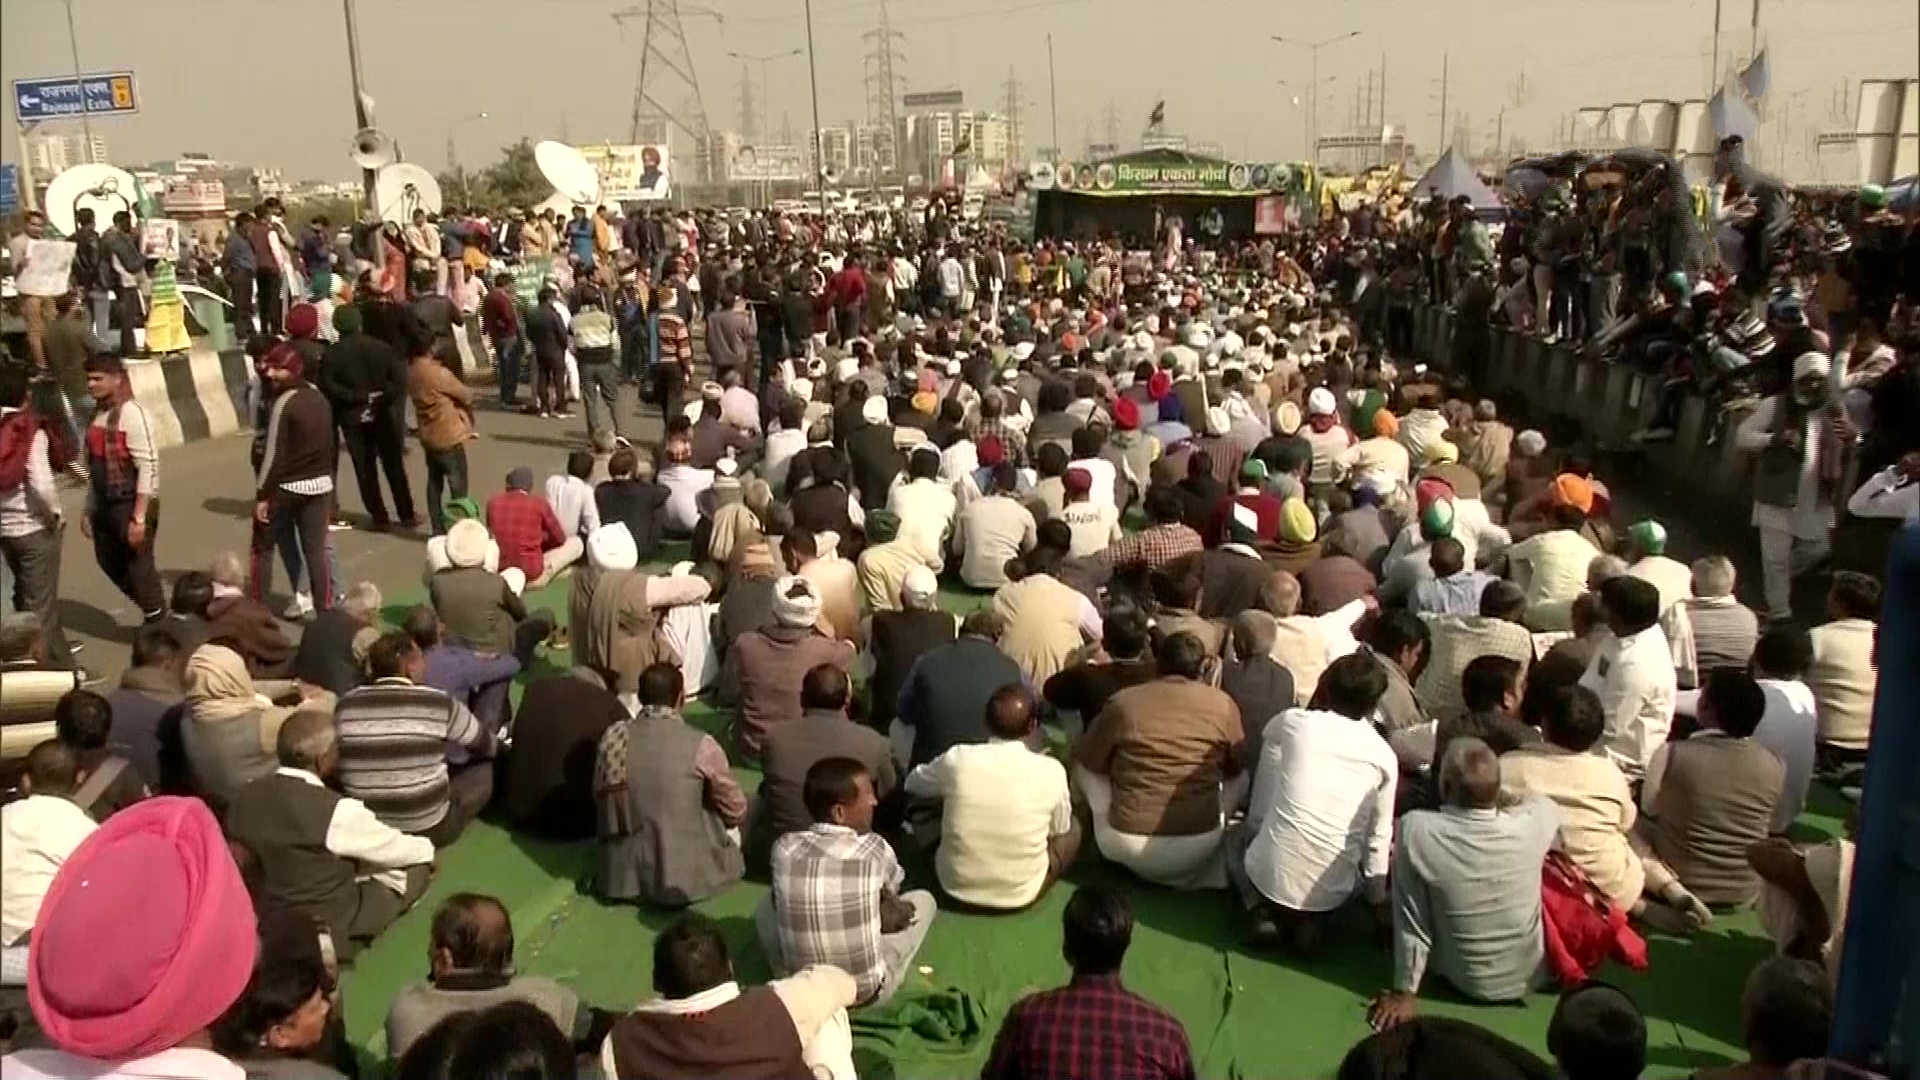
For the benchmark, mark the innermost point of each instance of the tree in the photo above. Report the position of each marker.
(515, 180)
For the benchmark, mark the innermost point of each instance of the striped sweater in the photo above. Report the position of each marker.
(395, 738)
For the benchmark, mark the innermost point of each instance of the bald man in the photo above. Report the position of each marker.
(1007, 830)
(1465, 888)
(471, 958)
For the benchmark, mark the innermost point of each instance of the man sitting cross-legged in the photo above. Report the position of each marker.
(836, 890)
(1006, 825)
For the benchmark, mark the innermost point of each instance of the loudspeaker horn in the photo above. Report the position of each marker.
(372, 149)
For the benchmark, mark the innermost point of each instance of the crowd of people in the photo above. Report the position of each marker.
(1010, 555)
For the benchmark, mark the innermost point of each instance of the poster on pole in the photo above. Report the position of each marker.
(1270, 215)
(49, 269)
(160, 238)
(631, 172)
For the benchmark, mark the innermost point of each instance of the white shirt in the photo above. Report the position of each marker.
(179, 1063)
(1788, 728)
(1472, 526)
(1093, 526)
(926, 509)
(377, 849)
(37, 834)
(573, 503)
(1321, 815)
(1886, 494)
(953, 277)
(1635, 681)
(781, 447)
(684, 483)
(1002, 803)
(1104, 477)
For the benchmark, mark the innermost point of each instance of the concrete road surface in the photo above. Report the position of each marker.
(206, 503)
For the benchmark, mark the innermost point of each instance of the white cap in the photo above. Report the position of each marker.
(875, 410)
(1320, 402)
(1812, 363)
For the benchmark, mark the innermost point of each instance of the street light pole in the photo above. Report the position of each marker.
(361, 119)
(1313, 112)
(453, 158)
(86, 122)
(819, 144)
(766, 102)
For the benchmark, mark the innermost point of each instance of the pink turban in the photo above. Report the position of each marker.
(146, 937)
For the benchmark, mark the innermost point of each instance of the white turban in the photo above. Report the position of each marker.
(611, 547)
(467, 544)
(796, 603)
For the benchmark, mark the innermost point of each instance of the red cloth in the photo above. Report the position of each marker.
(499, 315)
(1584, 928)
(849, 287)
(16, 442)
(525, 528)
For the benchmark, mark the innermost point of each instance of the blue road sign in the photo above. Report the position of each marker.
(103, 94)
(9, 187)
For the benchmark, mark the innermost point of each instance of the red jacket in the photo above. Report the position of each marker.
(525, 528)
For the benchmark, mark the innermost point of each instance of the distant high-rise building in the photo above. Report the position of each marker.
(51, 153)
(927, 138)
(830, 149)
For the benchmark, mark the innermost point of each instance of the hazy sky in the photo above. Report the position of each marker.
(266, 80)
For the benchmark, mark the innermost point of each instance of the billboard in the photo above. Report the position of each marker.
(933, 99)
(769, 164)
(101, 94)
(632, 172)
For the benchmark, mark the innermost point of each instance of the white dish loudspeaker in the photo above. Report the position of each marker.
(103, 188)
(569, 171)
(403, 188)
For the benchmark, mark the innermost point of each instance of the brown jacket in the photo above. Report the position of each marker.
(442, 402)
(254, 633)
(1166, 747)
(619, 632)
(762, 674)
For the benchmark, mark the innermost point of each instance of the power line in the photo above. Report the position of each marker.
(883, 89)
(665, 60)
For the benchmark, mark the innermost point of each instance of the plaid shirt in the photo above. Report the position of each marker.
(1011, 440)
(1154, 547)
(827, 884)
(525, 528)
(1091, 1029)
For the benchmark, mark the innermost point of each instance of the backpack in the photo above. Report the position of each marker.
(1584, 927)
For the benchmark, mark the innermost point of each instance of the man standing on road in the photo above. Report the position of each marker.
(123, 488)
(596, 347)
(731, 336)
(1798, 440)
(294, 482)
(672, 354)
(33, 449)
(547, 339)
(366, 380)
(500, 320)
(269, 285)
